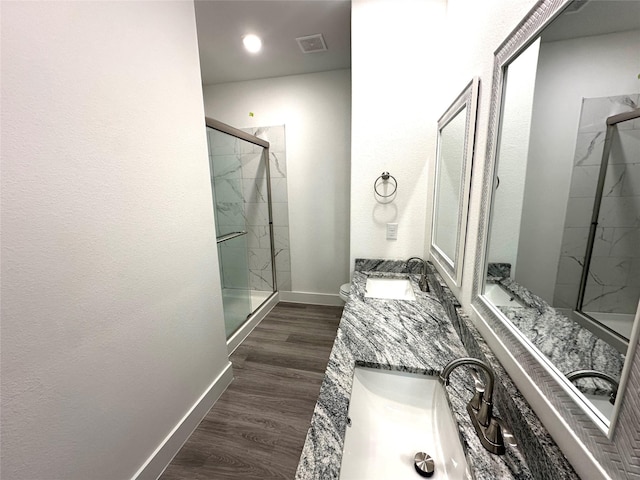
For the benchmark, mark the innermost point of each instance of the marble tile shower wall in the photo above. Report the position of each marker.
(614, 279)
(259, 233)
(239, 179)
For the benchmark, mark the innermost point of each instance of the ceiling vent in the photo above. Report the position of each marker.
(312, 43)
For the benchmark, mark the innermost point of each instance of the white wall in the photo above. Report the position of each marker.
(512, 158)
(111, 314)
(599, 66)
(396, 103)
(316, 112)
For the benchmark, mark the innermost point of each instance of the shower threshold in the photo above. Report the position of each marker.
(621, 323)
(610, 329)
(265, 302)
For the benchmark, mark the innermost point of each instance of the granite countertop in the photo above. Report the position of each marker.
(413, 336)
(569, 345)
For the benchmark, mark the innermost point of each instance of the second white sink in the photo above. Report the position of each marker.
(389, 288)
(500, 297)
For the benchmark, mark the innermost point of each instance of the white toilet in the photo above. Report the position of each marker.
(344, 291)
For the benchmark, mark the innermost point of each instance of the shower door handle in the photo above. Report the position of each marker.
(229, 236)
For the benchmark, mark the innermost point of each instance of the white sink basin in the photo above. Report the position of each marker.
(500, 297)
(395, 415)
(601, 402)
(389, 288)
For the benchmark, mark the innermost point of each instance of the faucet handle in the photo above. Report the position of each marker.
(494, 433)
(476, 401)
(481, 405)
(498, 433)
(423, 284)
(485, 416)
(509, 438)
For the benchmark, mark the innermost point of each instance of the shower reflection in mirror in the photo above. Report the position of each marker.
(563, 258)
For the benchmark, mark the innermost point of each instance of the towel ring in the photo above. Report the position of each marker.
(385, 178)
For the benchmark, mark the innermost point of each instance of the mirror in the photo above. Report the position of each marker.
(456, 133)
(550, 154)
(560, 281)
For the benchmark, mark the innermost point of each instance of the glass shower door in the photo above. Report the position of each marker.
(611, 276)
(240, 184)
(234, 273)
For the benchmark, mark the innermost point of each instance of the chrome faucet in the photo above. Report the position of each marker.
(488, 428)
(422, 283)
(576, 374)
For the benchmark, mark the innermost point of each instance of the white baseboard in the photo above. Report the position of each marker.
(247, 327)
(171, 445)
(312, 298)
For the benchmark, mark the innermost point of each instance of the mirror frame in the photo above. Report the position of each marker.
(616, 450)
(468, 99)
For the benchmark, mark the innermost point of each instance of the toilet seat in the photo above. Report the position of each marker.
(345, 288)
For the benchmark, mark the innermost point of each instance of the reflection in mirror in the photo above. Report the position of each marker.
(450, 159)
(563, 256)
(605, 300)
(456, 129)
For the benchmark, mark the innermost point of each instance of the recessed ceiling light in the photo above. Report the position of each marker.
(252, 43)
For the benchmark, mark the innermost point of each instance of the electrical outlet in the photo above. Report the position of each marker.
(392, 231)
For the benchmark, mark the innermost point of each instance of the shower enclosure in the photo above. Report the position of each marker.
(610, 280)
(241, 185)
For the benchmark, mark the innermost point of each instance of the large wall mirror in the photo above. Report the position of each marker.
(558, 273)
(456, 134)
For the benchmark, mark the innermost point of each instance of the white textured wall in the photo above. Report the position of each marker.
(316, 112)
(599, 66)
(396, 103)
(512, 158)
(111, 317)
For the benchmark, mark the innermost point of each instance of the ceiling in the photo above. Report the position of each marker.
(222, 24)
(594, 17)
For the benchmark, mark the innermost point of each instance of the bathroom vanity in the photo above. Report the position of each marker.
(421, 336)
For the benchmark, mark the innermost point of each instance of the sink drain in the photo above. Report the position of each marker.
(423, 464)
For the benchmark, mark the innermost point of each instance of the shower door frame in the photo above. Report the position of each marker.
(236, 338)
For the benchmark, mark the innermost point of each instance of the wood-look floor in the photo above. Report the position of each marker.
(256, 430)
